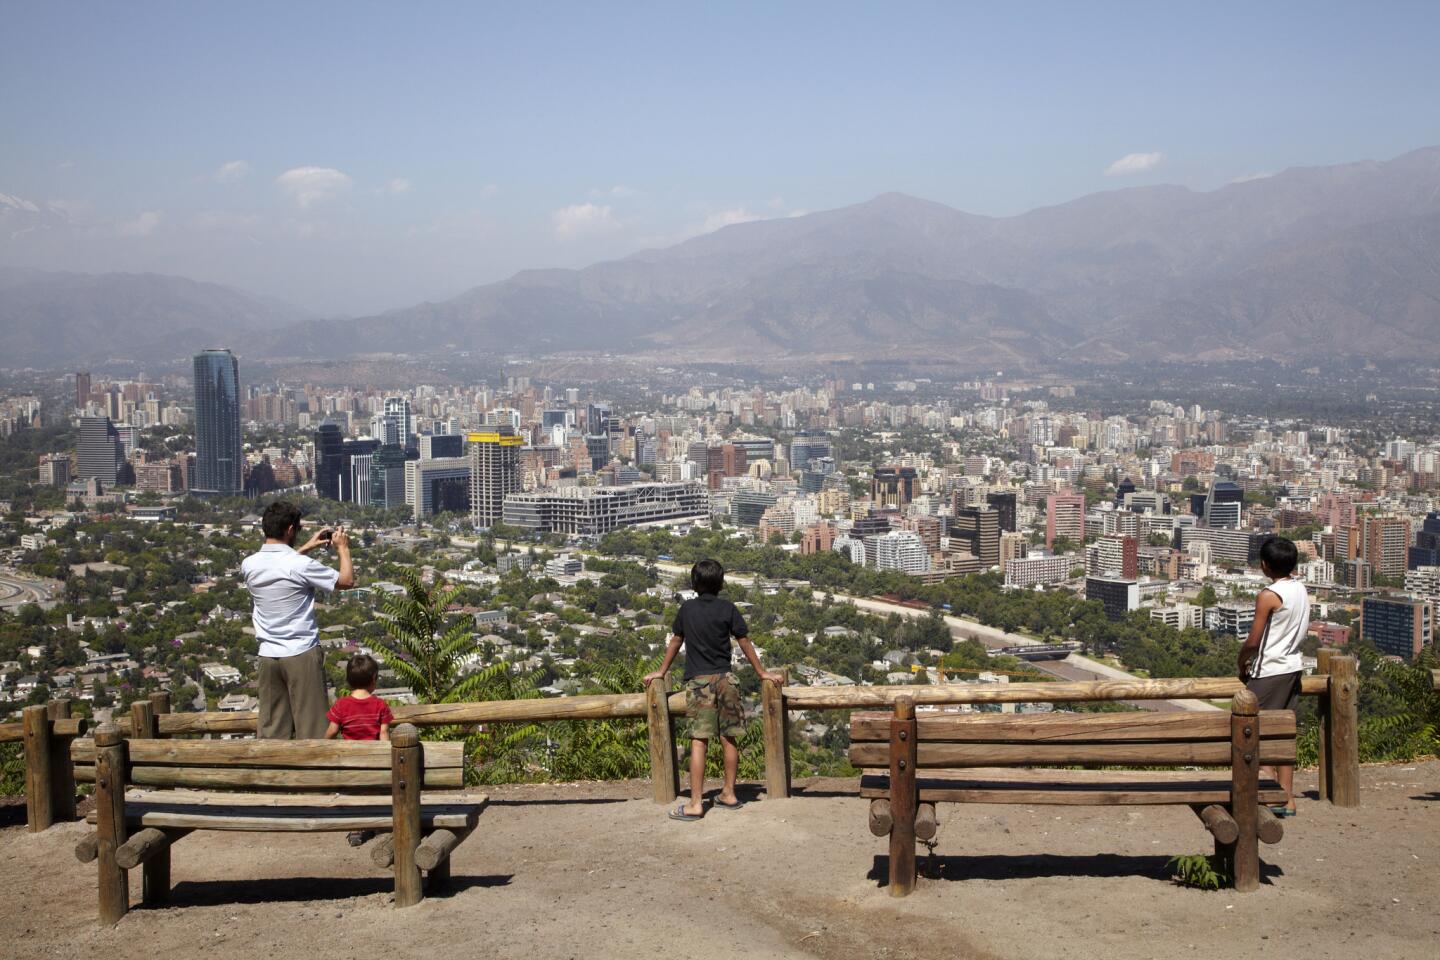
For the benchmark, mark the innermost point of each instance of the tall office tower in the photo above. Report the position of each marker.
(54, 470)
(494, 473)
(901, 550)
(97, 451)
(597, 418)
(442, 446)
(218, 458)
(1116, 555)
(1064, 517)
(1387, 540)
(387, 476)
(1426, 551)
(1224, 504)
(359, 485)
(399, 408)
(979, 528)
(809, 446)
(549, 419)
(385, 427)
(1397, 626)
(893, 486)
(1003, 503)
(82, 390)
(329, 460)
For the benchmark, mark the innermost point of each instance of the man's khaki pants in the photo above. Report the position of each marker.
(292, 696)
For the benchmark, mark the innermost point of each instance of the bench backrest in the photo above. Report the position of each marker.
(324, 766)
(1115, 739)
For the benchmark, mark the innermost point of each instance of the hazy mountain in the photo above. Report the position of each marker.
(60, 319)
(1305, 263)
(1287, 265)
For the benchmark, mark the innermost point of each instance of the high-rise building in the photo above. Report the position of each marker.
(893, 486)
(54, 470)
(358, 490)
(494, 473)
(437, 486)
(218, 458)
(901, 550)
(979, 529)
(808, 446)
(442, 446)
(1116, 555)
(594, 511)
(399, 408)
(1064, 517)
(385, 427)
(1003, 503)
(1386, 544)
(1224, 504)
(329, 460)
(1398, 626)
(1119, 596)
(748, 506)
(387, 476)
(82, 390)
(1426, 551)
(97, 451)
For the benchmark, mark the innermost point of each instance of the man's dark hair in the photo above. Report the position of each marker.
(361, 671)
(1279, 556)
(707, 576)
(279, 517)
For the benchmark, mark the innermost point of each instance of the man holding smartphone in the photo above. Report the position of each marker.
(282, 581)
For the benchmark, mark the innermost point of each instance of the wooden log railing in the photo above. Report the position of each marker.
(50, 771)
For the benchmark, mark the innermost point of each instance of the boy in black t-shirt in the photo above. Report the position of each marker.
(705, 626)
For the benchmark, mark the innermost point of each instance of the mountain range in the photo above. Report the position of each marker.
(1307, 263)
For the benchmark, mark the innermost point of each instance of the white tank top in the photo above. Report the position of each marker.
(1280, 647)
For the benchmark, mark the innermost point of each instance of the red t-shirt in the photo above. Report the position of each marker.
(360, 719)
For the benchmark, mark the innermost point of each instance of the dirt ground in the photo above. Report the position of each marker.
(597, 871)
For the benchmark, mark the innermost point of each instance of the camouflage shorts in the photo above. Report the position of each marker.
(713, 701)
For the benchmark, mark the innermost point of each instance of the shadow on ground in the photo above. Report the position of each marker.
(1034, 866)
(305, 889)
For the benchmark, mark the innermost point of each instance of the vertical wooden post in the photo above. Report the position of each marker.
(159, 704)
(1322, 710)
(142, 720)
(62, 768)
(155, 873)
(407, 774)
(110, 833)
(902, 797)
(664, 776)
(1344, 731)
(775, 718)
(39, 786)
(1245, 789)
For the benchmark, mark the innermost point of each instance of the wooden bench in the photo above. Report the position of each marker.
(1231, 806)
(321, 785)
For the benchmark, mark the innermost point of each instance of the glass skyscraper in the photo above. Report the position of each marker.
(218, 458)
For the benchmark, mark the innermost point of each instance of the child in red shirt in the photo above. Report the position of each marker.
(360, 716)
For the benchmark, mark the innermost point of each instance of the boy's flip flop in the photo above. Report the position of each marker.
(679, 814)
(728, 806)
(1283, 811)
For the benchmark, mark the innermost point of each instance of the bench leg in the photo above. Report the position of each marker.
(903, 799)
(155, 877)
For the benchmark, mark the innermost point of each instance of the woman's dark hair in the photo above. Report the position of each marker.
(279, 517)
(1279, 556)
(707, 576)
(361, 671)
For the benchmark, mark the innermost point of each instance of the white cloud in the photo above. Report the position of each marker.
(489, 190)
(1134, 163)
(65, 165)
(231, 171)
(141, 226)
(399, 185)
(725, 218)
(1247, 177)
(308, 186)
(583, 219)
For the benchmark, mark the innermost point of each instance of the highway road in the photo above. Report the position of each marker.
(18, 589)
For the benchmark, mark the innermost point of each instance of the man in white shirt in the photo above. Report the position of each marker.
(282, 582)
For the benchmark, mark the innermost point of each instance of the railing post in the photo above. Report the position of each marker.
(110, 833)
(1245, 790)
(406, 776)
(62, 768)
(903, 797)
(1344, 751)
(775, 718)
(159, 705)
(142, 720)
(39, 786)
(664, 775)
(1322, 710)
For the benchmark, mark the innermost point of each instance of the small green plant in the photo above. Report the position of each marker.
(1198, 871)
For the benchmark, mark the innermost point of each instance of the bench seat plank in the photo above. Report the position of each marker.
(1068, 787)
(1070, 727)
(1172, 753)
(301, 754)
(296, 816)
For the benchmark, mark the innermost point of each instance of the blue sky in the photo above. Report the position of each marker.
(350, 157)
